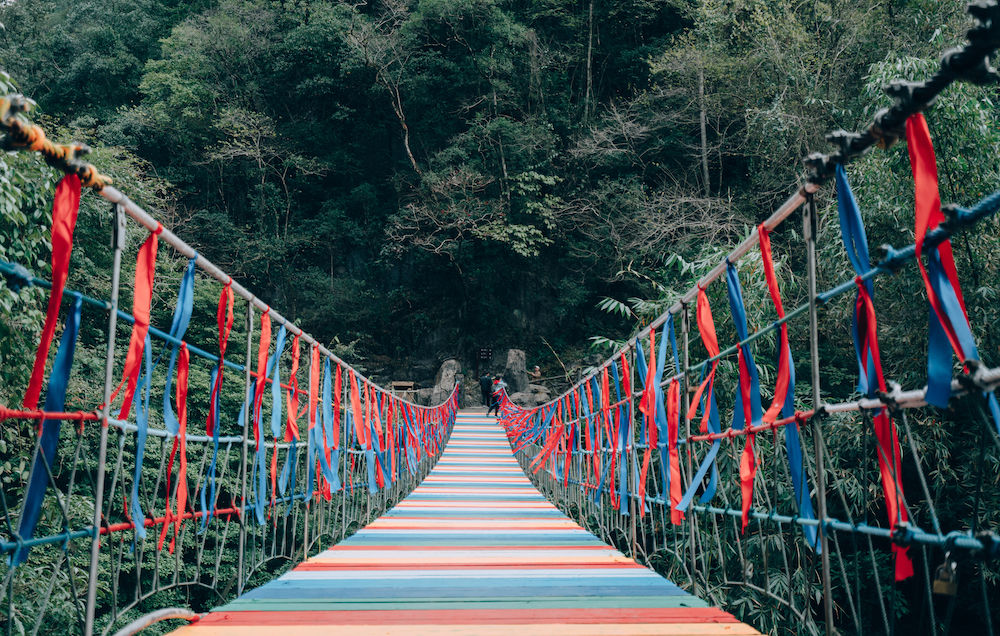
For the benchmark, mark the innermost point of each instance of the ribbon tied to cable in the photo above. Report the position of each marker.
(704, 399)
(864, 329)
(747, 412)
(784, 395)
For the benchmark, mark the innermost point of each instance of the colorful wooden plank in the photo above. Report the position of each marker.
(475, 549)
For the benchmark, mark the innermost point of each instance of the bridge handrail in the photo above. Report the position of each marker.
(969, 62)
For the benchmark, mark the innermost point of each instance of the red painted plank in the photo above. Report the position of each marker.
(473, 616)
(309, 565)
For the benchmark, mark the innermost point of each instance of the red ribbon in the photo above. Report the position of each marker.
(885, 433)
(145, 268)
(224, 319)
(274, 475)
(673, 424)
(748, 468)
(390, 437)
(180, 446)
(647, 406)
(371, 417)
(929, 216)
(593, 444)
(359, 423)
(706, 329)
(65, 207)
(611, 430)
(258, 397)
(748, 459)
(571, 434)
(292, 419)
(782, 382)
(551, 441)
(336, 408)
(313, 385)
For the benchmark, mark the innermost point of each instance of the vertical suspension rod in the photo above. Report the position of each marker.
(247, 414)
(809, 227)
(117, 240)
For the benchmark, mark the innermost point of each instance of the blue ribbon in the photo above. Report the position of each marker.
(852, 233)
(314, 447)
(707, 401)
(640, 376)
(411, 428)
(55, 400)
(288, 472)
(381, 452)
(585, 409)
(208, 508)
(624, 433)
(666, 335)
(738, 309)
(604, 457)
(178, 327)
(259, 476)
(939, 350)
(369, 452)
(142, 431)
(326, 410)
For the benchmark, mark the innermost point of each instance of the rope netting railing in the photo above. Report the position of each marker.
(816, 512)
(202, 456)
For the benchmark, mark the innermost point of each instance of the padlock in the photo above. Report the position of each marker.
(946, 578)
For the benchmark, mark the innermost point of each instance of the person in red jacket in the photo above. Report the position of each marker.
(498, 386)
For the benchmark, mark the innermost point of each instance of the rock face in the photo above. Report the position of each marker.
(515, 372)
(444, 382)
(423, 396)
(535, 395)
(540, 393)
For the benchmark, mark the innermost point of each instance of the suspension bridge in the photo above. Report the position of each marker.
(254, 479)
(475, 549)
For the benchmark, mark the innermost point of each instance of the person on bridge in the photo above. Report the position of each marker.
(486, 386)
(498, 386)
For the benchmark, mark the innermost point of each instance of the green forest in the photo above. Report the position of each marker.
(417, 179)
(411, 180)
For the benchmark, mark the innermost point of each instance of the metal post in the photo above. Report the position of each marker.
(809, 228)
(247, 414)
(685, 390)
(345, 447)
(305, 525)
(630, 451)
(117, 240)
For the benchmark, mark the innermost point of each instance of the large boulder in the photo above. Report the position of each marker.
(534, 395)
(539, 393)
(523, 399)
(515, 372)
(423, 396)
(445, 380)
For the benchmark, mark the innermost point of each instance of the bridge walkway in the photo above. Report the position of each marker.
(475, 549)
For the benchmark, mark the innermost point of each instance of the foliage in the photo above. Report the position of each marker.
(418, 179)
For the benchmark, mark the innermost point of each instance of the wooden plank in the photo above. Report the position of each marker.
(474, 549)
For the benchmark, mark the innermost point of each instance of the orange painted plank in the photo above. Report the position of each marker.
(538, 629)
(474, 616)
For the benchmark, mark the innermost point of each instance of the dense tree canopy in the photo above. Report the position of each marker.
(425, 177)
(412, 179)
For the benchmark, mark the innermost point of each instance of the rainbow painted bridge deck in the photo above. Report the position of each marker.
(475, 549)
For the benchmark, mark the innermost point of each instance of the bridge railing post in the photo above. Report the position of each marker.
(810, 226)
(630, 452)
(685, 388)
(345, 447)
(247, 414)
(118, 239)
